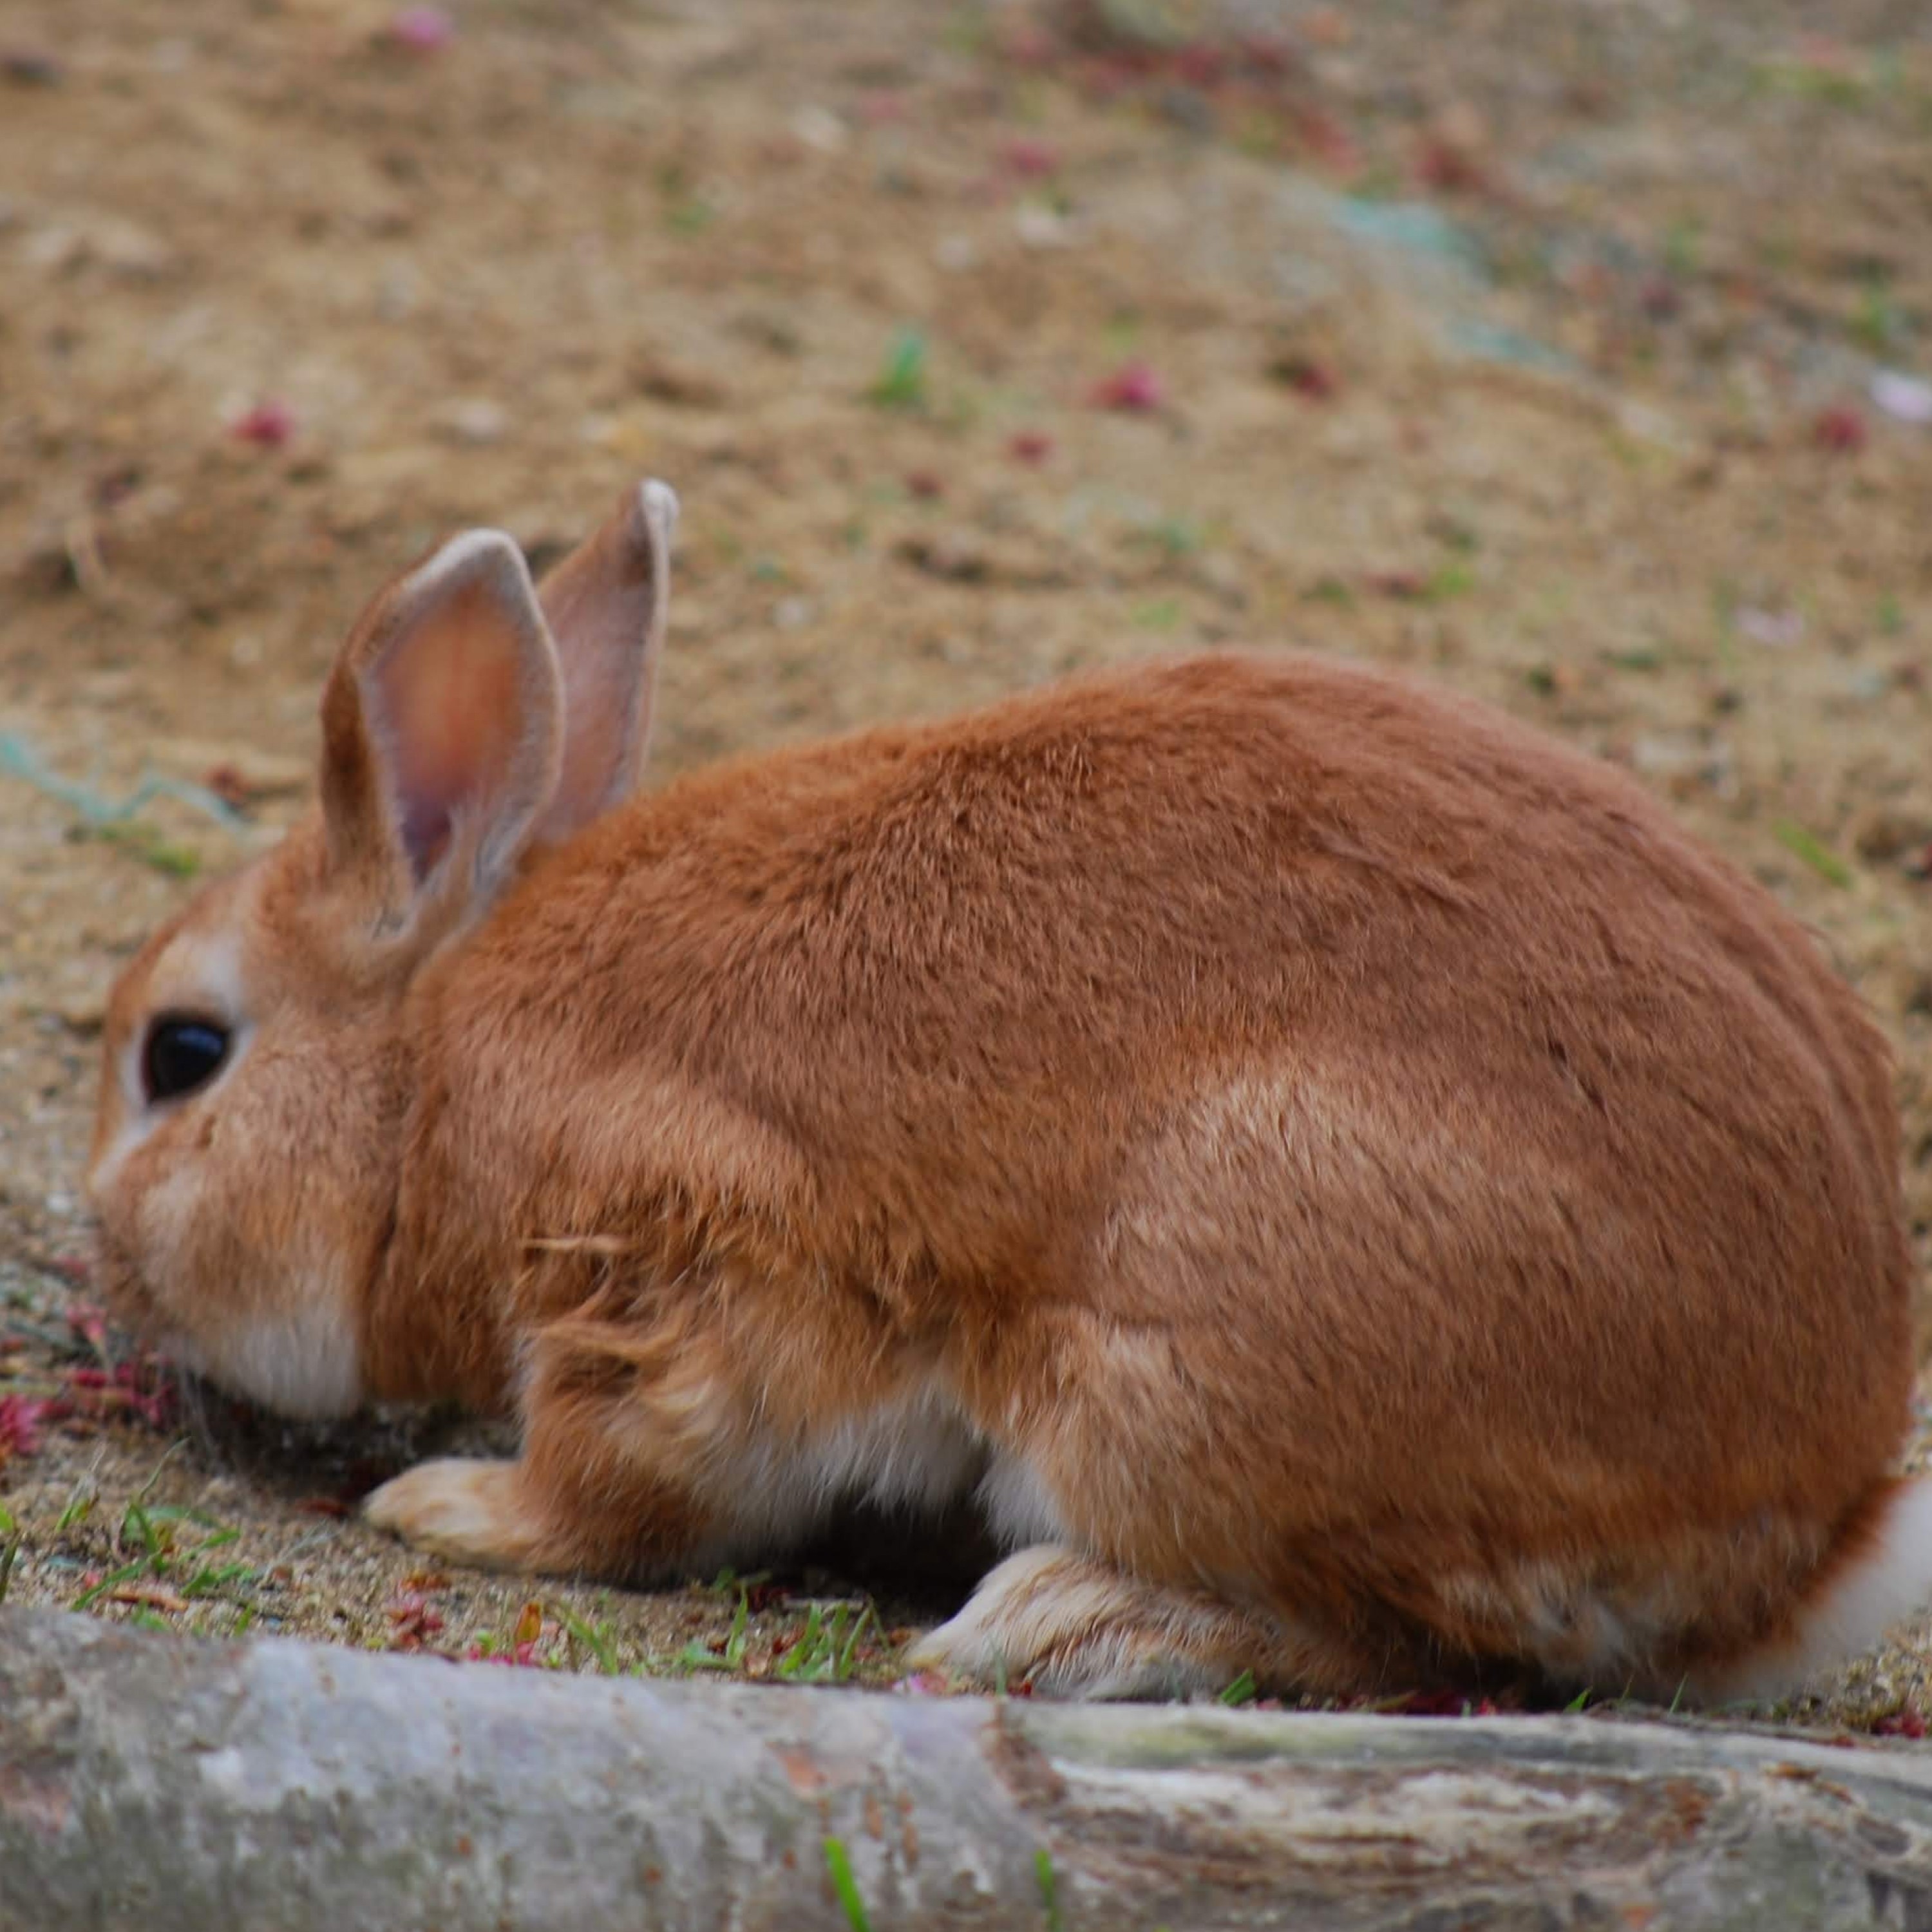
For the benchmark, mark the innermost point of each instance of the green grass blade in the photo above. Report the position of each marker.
(1814, 852)
(1049, 1891)
(1241, 1691)
(844, 1884)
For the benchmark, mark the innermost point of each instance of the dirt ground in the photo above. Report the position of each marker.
(1531, 347)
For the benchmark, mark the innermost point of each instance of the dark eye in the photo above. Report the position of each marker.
(180, 1055)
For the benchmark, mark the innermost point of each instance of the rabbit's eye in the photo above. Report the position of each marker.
(180, 1055)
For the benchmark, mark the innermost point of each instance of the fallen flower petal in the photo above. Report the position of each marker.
(1133, 386)
(412, 1621)
(269, 423)
(922, 1684)
(1840, 428)
(21, 1418)
(423, 30)
(1031, 159)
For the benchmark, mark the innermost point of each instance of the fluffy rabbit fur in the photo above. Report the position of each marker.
(1353, 1193)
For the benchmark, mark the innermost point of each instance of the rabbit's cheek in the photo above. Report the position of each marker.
(265, 1291)
(300, 1360)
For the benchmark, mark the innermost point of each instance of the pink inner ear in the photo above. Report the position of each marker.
(449, 702)
(602, 700)
(604, 605)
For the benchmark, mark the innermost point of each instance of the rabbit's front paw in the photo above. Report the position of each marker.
(466, 1511)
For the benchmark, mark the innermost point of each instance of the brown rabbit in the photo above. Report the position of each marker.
(1353, 1193)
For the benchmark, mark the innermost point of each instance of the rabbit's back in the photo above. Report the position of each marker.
(1101, 901)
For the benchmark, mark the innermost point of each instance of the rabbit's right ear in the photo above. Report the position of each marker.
(606, 603)
(442, 731)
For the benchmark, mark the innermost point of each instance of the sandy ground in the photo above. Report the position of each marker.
(1530, 347)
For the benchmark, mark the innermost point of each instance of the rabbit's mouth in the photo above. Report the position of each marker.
(131, 1304)
(127, 1296)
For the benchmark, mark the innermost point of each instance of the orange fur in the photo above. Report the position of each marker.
(1355, 1191)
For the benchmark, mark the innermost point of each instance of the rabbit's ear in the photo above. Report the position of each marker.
(442, 728)
(606, 603)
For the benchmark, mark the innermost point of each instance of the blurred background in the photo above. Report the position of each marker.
(1575, 354)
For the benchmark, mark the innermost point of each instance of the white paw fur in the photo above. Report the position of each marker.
(1073, 1628)
(457, 1507)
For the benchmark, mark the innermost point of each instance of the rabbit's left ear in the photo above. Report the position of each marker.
(441, 729)
(606, 605)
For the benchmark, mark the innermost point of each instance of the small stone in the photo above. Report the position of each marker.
(1906, 399)
(821, 130)
(475, 419)
(1661, 756)
(1038, 227)
(1776, 630)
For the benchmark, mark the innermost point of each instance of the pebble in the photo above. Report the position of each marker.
(821, 130)
(1905, 399)
(475, 419)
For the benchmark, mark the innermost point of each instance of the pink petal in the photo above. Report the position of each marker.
(424, 30)
(1030, 159)
(922, 1684)
(22, 1419)
(270, 424)
(1133, 386)
(1907, 1721)
(1840, 428)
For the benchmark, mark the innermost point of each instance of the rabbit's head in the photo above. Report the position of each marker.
(259, 1068)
